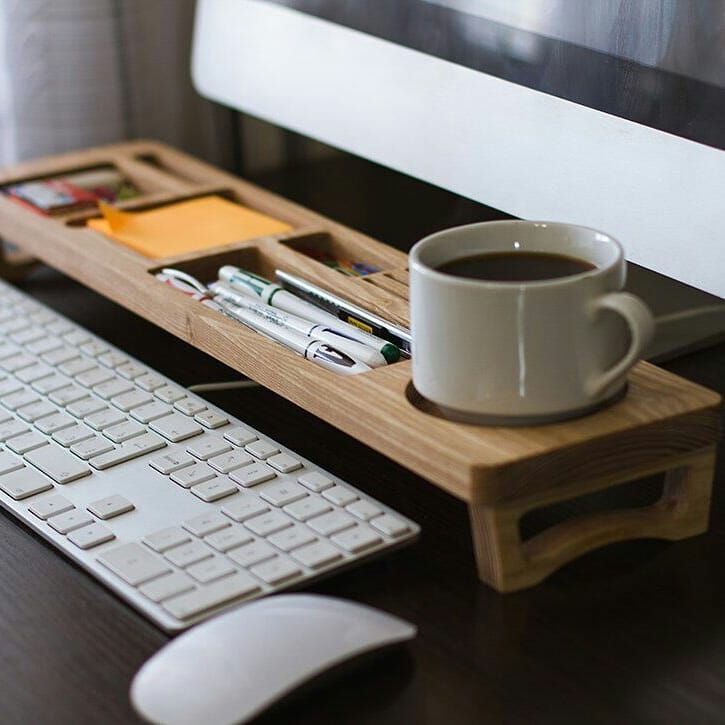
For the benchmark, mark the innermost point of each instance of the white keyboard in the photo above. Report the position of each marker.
(179, 508)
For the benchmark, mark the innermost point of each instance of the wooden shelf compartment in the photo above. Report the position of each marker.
(663, 424)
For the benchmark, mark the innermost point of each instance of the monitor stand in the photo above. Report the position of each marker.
(687, 319)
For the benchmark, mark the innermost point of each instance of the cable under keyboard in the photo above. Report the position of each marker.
(176, 506)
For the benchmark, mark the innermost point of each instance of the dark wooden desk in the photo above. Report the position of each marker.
(631, 633)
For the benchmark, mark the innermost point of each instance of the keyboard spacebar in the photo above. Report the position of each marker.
(132, 448)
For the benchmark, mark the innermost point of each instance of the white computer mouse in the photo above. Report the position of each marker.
(232, 667)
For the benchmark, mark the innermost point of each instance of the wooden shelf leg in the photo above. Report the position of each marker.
(508, 564)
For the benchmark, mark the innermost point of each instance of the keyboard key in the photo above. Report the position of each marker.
(167, 586)
(207, 446)
(50, 506)
(268, 523)
(75, 434)
(91, 447)
(243, 508)
(132, 399)
(154, 383)
(292, 537)
(123, 431)
(112, 359)
(261, 449)
(170, 462)
(281, 494)
(253, 474)
(316, 555)
(138, 446)
(92, 535)
(307, 508)
(166, 538)
(188, 554)
(77, 366)
(50, 383)
(214, 490)
(284, 462)
(356, 539)
(72, 335)
(110, 506)
(94, 348)
(130, 370)
(104, 418)
(176, 427)
(134, 564)
(9, 463)
(32, 412)
(364, 510)
(11, 428)
(213, 595)
(68, 394)
(189, 406)
(240, 436)
(206, 524)
(339, 495)
(19, 399)
(251, 554)
(211, 569)
(276, 570)
(24, 483)
(150, 411)
(60, 355)
(94, 375)
(229, 461)
(211, 419)
(70, 520)
(193, 475)
(85, 406)
(26, 442)
(331, 523)
(389, 525)
(112, 388)
(229, 538)
(55, 422)
(315, 481)
(165, 393)
(62, 466)
(34, 372)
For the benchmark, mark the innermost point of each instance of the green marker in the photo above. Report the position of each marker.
(277, 296)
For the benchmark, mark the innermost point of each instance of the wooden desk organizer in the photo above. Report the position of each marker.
(664, 424)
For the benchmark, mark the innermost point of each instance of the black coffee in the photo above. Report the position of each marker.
(515, 266)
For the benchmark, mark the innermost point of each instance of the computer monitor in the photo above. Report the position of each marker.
(605, 113)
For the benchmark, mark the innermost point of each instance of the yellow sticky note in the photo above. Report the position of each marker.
(185, 226)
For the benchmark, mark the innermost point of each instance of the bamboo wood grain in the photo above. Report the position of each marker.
(499, 472)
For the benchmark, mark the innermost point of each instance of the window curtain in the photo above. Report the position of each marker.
(78, 73)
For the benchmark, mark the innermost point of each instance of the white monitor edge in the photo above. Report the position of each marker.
(515, 149)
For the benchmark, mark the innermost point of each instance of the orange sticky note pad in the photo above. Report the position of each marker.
(185, 226)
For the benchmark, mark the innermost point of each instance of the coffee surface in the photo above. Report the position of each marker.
(515, 266)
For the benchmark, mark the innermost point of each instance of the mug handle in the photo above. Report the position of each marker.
(641, 327)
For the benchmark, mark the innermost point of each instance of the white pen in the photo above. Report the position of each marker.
(338, 340)
(317, 351)
(276, 296)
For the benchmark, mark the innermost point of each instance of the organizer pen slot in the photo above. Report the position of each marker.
(394, 281)
(66, 190)
(350, 256)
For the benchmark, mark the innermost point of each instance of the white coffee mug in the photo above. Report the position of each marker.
(523, 352)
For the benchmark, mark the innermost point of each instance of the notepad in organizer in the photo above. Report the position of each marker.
(185, 226)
